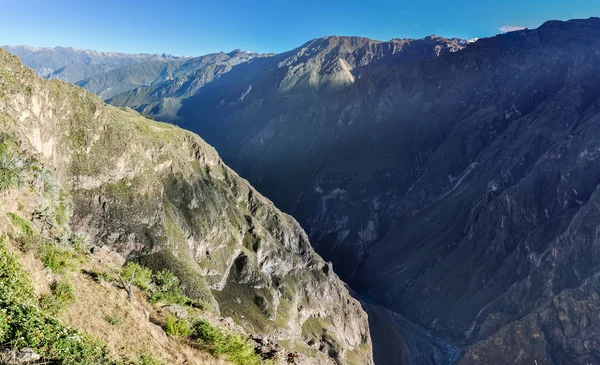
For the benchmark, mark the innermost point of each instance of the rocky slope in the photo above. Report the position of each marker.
(73, 65)
(455, 188)
(162, 196)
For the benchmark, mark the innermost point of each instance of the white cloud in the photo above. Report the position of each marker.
(510, 28)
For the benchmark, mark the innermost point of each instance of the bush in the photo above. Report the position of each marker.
(62, 295)
(142, 276)
(220, 342)
(177, 326)
(59, 259)
(166, 289)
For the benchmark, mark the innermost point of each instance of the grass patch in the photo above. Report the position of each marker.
(217, 341)
(62, 295)
(177, 326)
(114, 321)
(148, 359)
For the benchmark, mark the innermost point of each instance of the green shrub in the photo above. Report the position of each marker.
(142, 276)
(114, 321)
(62, 295)
(166, 289)
(177, 326)
(148, 359)
(59, 259)
(217, 341)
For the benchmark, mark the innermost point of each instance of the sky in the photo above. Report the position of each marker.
(197, 27)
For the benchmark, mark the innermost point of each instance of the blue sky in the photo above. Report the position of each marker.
(196, 27)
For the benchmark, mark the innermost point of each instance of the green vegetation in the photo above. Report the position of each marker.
(138, 275)
(220, 342)
(167, 289)
(62, 295)
(114, 321)
(148, 359)
(177, 326)
(162, 286)
(22, 324)
(59, 259)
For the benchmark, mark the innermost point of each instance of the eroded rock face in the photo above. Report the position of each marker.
(161, 195)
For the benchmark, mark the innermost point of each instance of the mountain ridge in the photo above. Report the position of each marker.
(73, 65)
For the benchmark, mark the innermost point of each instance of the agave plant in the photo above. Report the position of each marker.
(13, 171)
(9, 172)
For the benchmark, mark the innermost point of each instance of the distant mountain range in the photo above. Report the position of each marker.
(452, 183)
(74, 65)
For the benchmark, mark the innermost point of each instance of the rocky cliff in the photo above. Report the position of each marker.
(162, 196)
